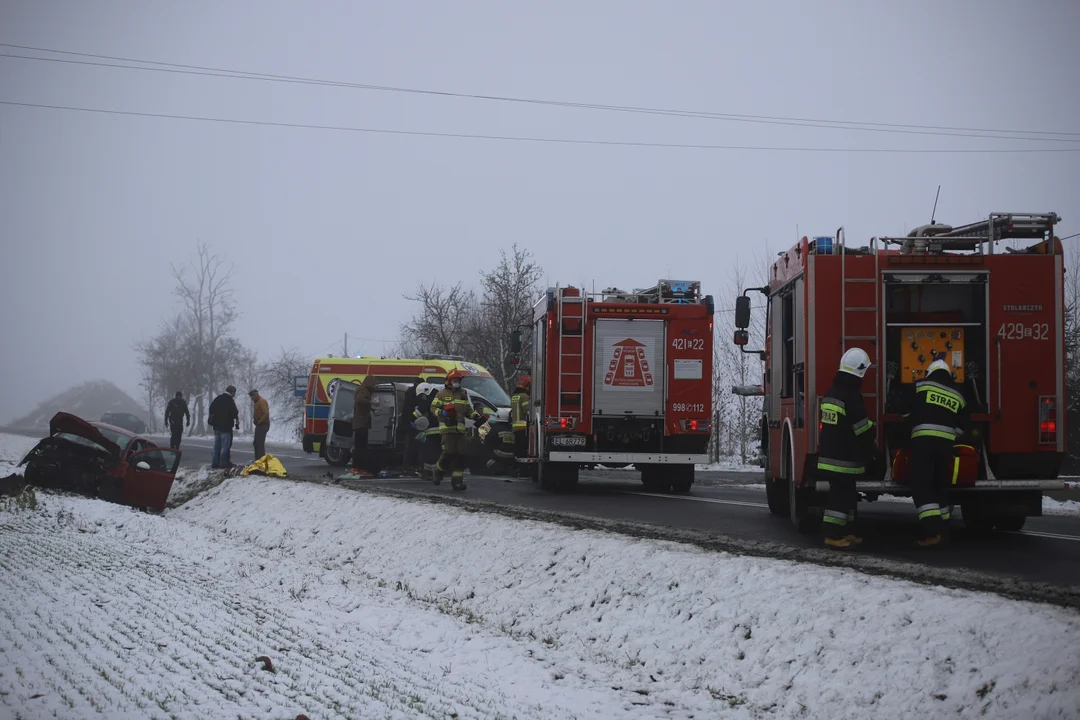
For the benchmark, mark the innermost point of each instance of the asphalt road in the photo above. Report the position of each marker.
(1046, 551)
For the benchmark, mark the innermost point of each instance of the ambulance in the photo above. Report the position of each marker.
(329, 372)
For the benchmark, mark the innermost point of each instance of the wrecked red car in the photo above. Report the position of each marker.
(104, 461)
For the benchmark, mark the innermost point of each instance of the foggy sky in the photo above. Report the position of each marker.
(328, 229)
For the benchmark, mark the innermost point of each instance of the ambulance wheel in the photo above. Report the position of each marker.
(336, 457)
(682, 478)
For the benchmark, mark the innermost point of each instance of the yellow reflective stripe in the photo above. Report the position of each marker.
(933, 433)
(838, 469)
(834, 407)
(955, 469)
(862, 426)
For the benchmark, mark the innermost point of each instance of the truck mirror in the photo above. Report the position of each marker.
(742, 338)
(515, 341)
(742, 313)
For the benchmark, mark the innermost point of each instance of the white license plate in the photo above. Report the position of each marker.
(568, 441)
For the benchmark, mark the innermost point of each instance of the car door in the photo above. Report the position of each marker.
(149, 477)
(384, 413)
(339, 430)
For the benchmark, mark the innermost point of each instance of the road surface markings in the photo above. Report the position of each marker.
(718, 501)
(1053, 536)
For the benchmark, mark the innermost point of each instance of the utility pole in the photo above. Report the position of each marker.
(345, 349)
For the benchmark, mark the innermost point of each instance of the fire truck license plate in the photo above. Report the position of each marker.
(568, 440)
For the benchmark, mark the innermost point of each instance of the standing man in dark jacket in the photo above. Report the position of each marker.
(938, 415)
(845, 448)
(260, 418)
(361, 423)
(223, 417)
(427, 428)
(176, 412)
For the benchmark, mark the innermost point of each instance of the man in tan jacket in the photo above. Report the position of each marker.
(260, 418)
(361, 423)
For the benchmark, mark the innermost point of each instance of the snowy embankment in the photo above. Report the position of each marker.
(368, 606)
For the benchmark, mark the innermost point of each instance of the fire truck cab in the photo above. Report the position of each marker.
(988, 298)
(622, 377)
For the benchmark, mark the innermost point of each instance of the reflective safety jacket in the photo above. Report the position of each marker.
(938, 410)
(847, 438)
(519, 409)
(422, 409)
(453, 408)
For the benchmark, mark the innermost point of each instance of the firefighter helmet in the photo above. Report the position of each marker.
(453, 375)
(938, 365)
(855, 362)
(525, 381)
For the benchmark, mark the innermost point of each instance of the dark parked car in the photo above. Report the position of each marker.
(127, 421)
(103, 461)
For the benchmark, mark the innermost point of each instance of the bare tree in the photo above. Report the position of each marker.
(277, 377)
(508, 295)
(441, 325)
(455, 321)
(210, 309)
(737, 431)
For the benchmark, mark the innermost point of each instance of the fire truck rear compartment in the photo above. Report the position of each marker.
(953, 307)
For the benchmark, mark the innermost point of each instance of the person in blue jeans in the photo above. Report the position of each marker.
(223, 417)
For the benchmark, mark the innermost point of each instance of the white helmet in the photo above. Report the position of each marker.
(938, 365)
(855, 362)
(425, 389)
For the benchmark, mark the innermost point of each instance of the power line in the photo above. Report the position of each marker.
(939, 130)
(535, 139)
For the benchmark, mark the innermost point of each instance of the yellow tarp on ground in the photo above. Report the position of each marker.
(266, 465)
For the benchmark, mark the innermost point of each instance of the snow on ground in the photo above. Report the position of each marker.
(732, 464)
(375, 607)
(13, 449)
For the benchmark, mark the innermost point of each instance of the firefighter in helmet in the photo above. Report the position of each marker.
(451, 405)
(519, 420)
(845, 449)
(938, 416)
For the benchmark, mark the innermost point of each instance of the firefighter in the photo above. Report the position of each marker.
(451, 405)
(519, 419)
(408, 435)
(846, 447)
(427, 429)
(938, 415)
(176, 412)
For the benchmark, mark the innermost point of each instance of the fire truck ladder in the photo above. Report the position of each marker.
(571, 321)
(874, 308)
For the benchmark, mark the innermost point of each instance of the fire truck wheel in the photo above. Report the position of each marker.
(776, 495)
(804, 517)
(654, 479)
(682, 477)
(558, 477)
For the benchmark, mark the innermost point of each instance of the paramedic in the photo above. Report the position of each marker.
(938, 415)
(845, 449)
(452, 406)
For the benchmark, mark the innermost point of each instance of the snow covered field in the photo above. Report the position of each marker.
(375, 607)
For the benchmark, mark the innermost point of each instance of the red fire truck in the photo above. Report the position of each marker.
(985, 297)
(622, 378)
